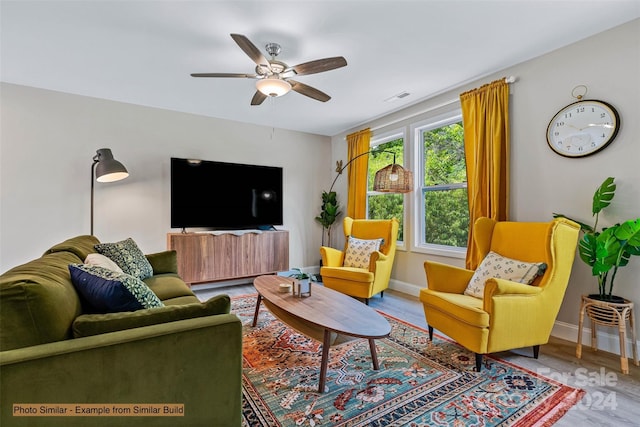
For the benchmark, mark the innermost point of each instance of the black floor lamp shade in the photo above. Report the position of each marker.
(106, 169)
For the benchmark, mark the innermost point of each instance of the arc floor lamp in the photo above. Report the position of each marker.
(106, 169)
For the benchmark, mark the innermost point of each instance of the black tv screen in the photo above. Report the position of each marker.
(221, 195)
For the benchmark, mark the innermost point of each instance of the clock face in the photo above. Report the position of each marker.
(583, 128)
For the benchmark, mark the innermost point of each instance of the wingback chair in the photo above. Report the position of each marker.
(508, 313)
(372, 276)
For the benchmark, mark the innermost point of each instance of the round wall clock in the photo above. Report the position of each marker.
(583, 128)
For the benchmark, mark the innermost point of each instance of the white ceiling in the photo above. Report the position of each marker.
(142, 52)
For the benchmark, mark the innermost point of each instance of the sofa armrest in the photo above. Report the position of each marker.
(93, 324)
(446, 278)
(331, 257)
(194, 362)
(164, 262)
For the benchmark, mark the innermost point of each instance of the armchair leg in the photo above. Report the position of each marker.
(366, 301)
(536, 351)
(430, 333)
(478, 362)
(381, 294)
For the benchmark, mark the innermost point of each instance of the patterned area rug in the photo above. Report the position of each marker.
(419, 383)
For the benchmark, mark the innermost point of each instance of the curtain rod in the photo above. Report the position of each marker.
(509, 79)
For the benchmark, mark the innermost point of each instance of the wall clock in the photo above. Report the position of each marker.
(583, 128)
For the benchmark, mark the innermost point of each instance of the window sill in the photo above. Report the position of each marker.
(444, 251)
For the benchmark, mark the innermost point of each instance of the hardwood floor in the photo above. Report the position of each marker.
(611, 398)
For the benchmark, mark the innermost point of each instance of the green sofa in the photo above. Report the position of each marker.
(52, 351)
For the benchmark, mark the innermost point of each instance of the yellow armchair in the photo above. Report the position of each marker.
(510, 315)
(361, 282)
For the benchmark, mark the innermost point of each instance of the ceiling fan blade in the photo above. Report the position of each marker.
(258, 98)
(320, 65)
(248, 76)
(309, 91)
(251, 50)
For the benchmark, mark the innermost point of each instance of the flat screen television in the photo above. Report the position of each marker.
(219, 195)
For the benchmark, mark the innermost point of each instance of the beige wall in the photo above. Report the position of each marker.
(49, 138)
(543, 182)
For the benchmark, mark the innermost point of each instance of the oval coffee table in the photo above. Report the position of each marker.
(326, 316)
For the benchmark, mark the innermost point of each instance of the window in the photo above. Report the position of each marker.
(386, 205)
(442, 208)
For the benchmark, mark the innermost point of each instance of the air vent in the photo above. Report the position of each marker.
(397, 96)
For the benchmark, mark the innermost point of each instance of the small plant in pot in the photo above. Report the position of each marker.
(610, 248)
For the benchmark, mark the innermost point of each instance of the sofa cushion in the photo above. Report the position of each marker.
(108, 291)
(167, 286)
(164, 262)
(128, 256)
(38, 303)
(500, 267)
(94, 324)
(81, 246)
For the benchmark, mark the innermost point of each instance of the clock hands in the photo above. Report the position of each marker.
(590, 125)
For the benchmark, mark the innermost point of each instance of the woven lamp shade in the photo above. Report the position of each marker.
(383, 183)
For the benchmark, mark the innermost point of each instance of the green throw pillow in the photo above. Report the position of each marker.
(128, 256)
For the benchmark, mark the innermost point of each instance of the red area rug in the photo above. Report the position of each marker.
(419, 383)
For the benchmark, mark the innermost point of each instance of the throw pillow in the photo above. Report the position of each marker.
(108, 291)
(496, 266)
(359, 251)
(128, 256)
(102, 261)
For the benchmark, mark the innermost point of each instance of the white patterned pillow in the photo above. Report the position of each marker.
(359, 252)
(102, 261)
(128, 256)
(496, 266)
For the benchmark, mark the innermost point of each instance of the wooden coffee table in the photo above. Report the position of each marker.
(326, 316)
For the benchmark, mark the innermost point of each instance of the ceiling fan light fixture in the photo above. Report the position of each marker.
(272, 86)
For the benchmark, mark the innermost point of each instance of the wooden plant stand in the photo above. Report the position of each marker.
(609, 314)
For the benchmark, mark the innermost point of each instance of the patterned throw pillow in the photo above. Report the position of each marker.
(499, 267)
(128, 256)
(108, 291)
(359, 252)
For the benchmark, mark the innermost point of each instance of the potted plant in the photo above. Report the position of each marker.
(610, 248)
(328, 213)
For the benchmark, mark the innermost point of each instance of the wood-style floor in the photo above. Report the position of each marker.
(611, 399)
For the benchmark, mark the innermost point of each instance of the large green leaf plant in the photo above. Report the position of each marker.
(611, 248)
(329, 212)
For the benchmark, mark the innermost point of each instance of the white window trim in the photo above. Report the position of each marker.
(416, 130)
(381, 138)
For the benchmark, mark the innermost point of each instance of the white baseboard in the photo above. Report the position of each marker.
(608, 340)
(405, 287)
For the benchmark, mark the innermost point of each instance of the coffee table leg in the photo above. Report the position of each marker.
(255, 315)
(374, 354)
(326, 343)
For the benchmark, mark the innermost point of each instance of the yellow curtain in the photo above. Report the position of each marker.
(485, 115)
(358, 144)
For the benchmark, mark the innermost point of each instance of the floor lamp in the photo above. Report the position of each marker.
(106, 169)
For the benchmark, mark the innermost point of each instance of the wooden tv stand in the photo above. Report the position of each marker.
(215, 256)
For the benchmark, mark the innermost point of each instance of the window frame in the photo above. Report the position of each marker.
(418, 212)
(382, 138)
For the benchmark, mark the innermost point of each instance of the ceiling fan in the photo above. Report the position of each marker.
(274, 76)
